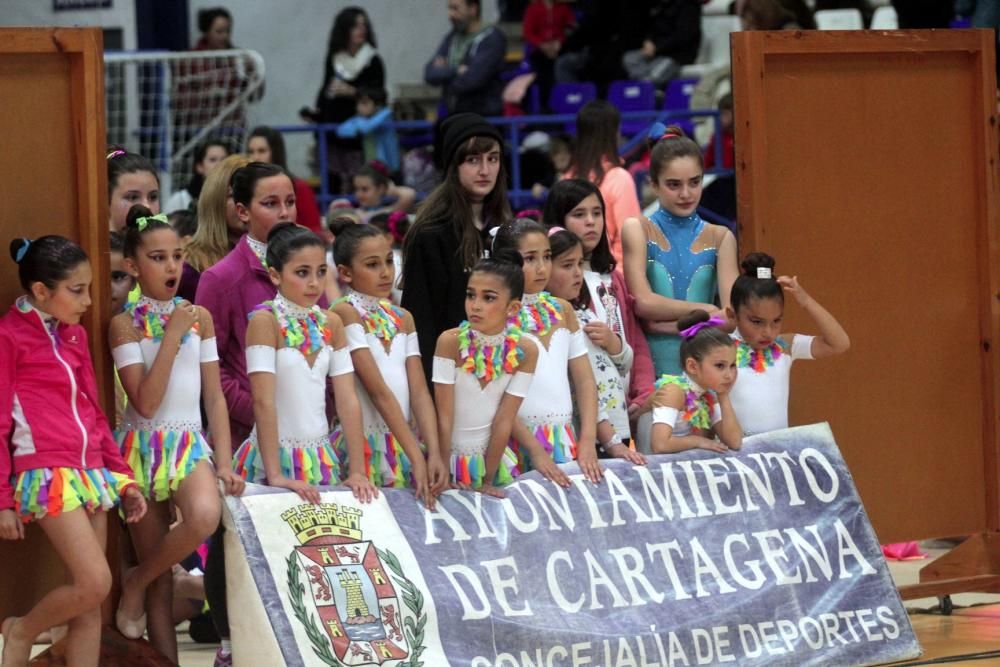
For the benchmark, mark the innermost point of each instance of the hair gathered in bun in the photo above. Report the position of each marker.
(287, 238)
(668, 143)
(702, 340)
(139, 221)
(507, 265)
(47, 260)
(757, 281)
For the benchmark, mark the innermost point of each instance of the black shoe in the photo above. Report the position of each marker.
(202, 630)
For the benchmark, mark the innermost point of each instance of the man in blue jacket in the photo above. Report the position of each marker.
(468, 63)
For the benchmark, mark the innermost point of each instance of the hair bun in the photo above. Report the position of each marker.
(134, 213)
(280, 229)
(692, 318)
(509, 256)
(18, 248)
(754, 261)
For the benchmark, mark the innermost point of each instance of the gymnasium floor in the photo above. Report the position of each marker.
(973, 627)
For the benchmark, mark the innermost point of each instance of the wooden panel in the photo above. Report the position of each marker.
(866, 167)
(53, 180)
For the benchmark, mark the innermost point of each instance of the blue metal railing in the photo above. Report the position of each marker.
(513, 127)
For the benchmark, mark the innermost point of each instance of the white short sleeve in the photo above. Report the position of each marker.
(261, 359)
(802, 347)
(412, 345)
(356, 339)
(340, 362)
(577, 344)
(208, 351)
(519, 384)
(664, 414)
(444, 370)
(128, 354)
(716, 413)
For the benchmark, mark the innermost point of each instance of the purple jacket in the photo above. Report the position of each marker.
(229, 291)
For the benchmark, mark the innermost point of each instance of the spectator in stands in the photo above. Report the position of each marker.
(207, 155)
(267, 145)
(216, 26)
(673, 35)
(131, 180)
(595, 158)
(373, 124)
(468, 63)
(609, 28)
(546, 23)
(767, 15)
(727, 137)
(352, 62)
(376, 193)
(219, 227)
(451, 230)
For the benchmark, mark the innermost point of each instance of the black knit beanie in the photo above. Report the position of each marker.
(457, 129)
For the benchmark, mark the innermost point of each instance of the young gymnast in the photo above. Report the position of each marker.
(59, 465)
(610, 356)
(293, 346)
(544, 430)
(165, 355)
(390, 377)
(763, 355)
(692, 409)
(674, 260)
(482, 372)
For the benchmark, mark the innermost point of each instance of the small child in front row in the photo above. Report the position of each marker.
(544, 430)
(763, 356)
(59, 465)
(692, 409)
(293, 346)
(390, 377)
(164, 352)
(610, 356)
(482, 372)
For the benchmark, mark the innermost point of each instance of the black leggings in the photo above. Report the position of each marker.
(215, 582)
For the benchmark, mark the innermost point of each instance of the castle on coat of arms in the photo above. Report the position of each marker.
(324, 520)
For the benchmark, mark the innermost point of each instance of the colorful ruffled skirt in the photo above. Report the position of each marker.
(559, 440)
(161, 460)
(44, 492)
(386, 464)
(470, 469)
(315, 462)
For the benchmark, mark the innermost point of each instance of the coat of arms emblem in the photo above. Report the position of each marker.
(352, 615)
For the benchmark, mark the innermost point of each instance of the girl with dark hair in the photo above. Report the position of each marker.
(595, 158)
(763, 356)
(165, 355)
(351, 62)
(610, 357)
(544, 429)
(674, 260)
(390, 383)
(577, 205)
(266, 144)
(131, 180)
(692, 409)
(448, 236)
(59, 465)
(290, 445)
(376, 193)
(216, 26)
(483, 369)
(207, 156)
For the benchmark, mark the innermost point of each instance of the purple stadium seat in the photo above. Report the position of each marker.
(678, 98)
(633, 96)
(568, 98)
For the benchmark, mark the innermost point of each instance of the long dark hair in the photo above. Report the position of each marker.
(340, 33)
(597, 128)
(449, 201)
(274, 141)
(563, 198)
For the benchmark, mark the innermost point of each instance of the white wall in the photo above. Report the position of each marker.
(40, 13)
(292, 38)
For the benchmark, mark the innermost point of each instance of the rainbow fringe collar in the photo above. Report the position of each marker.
(539, 313)
(488, 357)
(759, 360)
(697, 407)
(378, 316)
(301, 328)
(151, 317)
